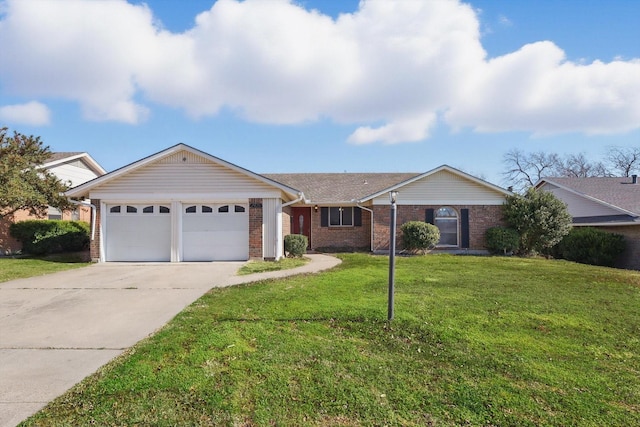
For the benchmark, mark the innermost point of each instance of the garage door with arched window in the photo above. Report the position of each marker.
(215, 232)
(138, 232)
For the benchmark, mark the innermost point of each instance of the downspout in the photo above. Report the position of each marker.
(371, 211)
(93, 208)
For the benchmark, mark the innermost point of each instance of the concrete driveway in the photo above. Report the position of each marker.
(59, 328)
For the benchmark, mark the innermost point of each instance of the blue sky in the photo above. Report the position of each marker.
(324, 86)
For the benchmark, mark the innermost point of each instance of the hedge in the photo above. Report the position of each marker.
(42, 237)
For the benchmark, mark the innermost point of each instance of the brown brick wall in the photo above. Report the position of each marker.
(94, 245)
(343, 238)
(255, 229)
(480, 219)
(631, 256)
(8, 244)
(286, 221)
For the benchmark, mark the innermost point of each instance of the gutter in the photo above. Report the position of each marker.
(299, 199)
(93, 208)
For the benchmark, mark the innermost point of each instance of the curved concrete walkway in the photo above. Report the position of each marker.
(57, 329)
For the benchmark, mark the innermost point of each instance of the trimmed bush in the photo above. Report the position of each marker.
(295, 245)
(418, 236)
(42, 237)
(588, 245)
(502, 240)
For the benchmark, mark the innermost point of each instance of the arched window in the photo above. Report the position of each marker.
(446, 219)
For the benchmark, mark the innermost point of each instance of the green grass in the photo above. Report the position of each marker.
(19, 268)
(264, 266)
(476, 341)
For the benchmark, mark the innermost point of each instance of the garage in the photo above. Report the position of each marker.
(182, 204)
(138, 232)
(215, 232)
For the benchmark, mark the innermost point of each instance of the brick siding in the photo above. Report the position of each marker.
(94, 245)
(341, 238)
(480, 219)
(255, 229)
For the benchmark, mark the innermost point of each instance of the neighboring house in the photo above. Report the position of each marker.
(72, 168)
(182, 204)
(611, 204)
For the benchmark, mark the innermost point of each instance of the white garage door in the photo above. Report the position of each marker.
(138, 233)
(215, 232)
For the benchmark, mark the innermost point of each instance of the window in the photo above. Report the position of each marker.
(164, 209)
(190, 209)
(239, 209)
(115, 209)
(148, 209)
(54, 213)
(340, 217)
(207, 209)
(446, 219)
(132, 209)
(223, 209)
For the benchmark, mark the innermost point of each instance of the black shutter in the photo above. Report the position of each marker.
(357, 217)
(430, 216)
(464, 228)
(324, 217)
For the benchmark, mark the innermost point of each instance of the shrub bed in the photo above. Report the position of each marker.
(42, 237)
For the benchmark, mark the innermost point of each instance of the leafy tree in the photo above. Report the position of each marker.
(23, 184)
(540, 218)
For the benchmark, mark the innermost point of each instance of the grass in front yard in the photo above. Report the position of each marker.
(263, 266)
(476, 341)
(19, 268)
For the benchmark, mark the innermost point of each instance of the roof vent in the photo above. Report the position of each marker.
(634, 179)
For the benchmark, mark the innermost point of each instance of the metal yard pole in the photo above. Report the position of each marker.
(393, 196)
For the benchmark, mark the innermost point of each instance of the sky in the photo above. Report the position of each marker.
(321, 85)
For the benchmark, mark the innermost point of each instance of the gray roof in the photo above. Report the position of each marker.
(619, 192)
(62, 155)
(339, 187)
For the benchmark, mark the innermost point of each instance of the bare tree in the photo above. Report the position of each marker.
(577, 166)
(624, 160)
(523, 170)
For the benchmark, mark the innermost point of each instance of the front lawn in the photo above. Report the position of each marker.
(476, 341)
(19, 268)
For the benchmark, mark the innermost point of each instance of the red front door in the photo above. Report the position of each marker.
(301, 223)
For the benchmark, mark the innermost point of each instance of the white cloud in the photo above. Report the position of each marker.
(32, 113)
(392, 67)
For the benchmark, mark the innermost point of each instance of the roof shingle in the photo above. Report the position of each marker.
(339, 187)
(620, 192)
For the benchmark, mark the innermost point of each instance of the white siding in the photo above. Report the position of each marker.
(444, 188)
(184, 174)
(73, 172)
(579, 206)
(271, 228)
